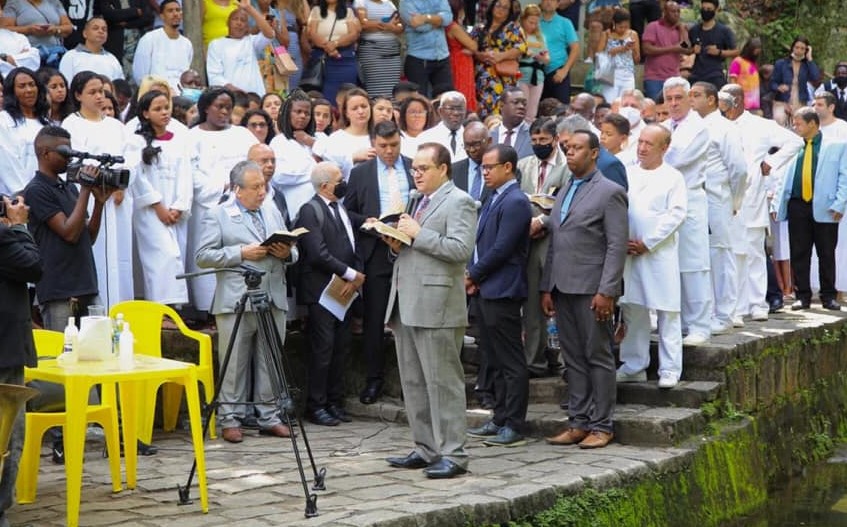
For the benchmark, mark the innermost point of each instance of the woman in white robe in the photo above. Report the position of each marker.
(292, 147)
(92, 132)
(162, 193)
(25, 110)
(352, 143)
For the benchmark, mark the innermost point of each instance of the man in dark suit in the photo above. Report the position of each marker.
(589, 231)
(378, 187)
(329, 249)
(467, 173)
(20, 262)
(514, 130)
(497, 275)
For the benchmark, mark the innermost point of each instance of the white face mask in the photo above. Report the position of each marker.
(631, 114)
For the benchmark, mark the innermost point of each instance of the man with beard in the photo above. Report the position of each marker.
(164, 52)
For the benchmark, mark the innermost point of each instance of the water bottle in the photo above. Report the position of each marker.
(68, 355)
(552, 334)
(125, 348)
(117, 327)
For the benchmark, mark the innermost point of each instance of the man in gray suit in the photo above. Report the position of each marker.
(514, 130)
(589, 231)
(232, 234)
(428, 315)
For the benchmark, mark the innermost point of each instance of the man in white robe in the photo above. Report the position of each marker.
(90, 55)
(164, 51)
(687, 153)
(759, 136)
(726, 177)
(657, 209)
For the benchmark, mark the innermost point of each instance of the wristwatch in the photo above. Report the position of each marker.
(429, 18)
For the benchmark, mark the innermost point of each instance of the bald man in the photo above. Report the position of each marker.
(264, 156)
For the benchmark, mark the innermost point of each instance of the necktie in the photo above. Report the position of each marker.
(541, 175)
(566, 203)
(395, 199)
(807, 172)
(421, 208)
(257, 222)
(453, 142)
(508, 139)
(337, 215)
(477, 183)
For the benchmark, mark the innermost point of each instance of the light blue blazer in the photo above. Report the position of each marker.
(830, 185)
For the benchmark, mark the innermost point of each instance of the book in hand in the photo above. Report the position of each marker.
(391, 217)
(543, 201)
(287, 237)
(380, 228)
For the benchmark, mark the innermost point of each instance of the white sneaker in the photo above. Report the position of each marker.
(720, 329)
(667, 380)
(622, 376)
(469, 341)
(737, 322)
(695, 339)
(759, 316)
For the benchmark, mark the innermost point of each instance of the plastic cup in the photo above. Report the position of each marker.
(97, 311)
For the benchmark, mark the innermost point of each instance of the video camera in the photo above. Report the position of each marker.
(3, 204)
(106, 176)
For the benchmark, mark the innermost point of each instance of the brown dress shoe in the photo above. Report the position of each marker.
(232, 435)
(596, 439)
(571, 436)
(277, 430)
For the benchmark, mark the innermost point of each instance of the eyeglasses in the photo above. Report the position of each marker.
(489, 168)
(420, 169)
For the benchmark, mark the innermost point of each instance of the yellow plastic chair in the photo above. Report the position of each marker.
(145, 322)
(49, 344)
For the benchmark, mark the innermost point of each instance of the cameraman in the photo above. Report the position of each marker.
(65, 235)
(20, 262)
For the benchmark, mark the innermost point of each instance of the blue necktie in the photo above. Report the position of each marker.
(477, 183)
(566, 203)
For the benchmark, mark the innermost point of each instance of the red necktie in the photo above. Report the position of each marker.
(541, 176)
(508, 140)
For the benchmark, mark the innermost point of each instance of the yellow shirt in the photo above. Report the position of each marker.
(215, 17)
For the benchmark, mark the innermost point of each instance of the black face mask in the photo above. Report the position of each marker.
(707, 15)
(840, 81)
(340, 190)
(542, 152)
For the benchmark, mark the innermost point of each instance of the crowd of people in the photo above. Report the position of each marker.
(690, 206)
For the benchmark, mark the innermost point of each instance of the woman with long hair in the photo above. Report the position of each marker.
(271, 103)
(621, 43)
(744, 71)
(215, 146)
(333, 33)
(162, 194)
(790, 79)
(260, 125)
(416, 115)
(93, 132)
(499, 41)
(25, 111)
(462, 47)
(323, 116)
(293, 149)
(351, 144)
(532, 67)
(61, 105)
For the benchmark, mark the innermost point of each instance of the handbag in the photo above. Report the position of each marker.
(315, 70)
(508, 68)
(604, 68)
(283, 62)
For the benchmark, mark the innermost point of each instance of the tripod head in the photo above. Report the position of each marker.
(252, 275)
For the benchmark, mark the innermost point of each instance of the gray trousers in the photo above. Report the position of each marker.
(234, 381)
(13, 375)
(55, 314)
(587, 350)
(433, 389)
(534, 320)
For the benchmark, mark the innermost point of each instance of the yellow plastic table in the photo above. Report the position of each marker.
(80, 377)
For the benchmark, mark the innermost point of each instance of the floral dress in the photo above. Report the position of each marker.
(489, 85)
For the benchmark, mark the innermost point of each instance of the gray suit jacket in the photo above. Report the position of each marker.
(555, 178)
(223, 231)
(588, 250)
(428, 284)
(521, 141)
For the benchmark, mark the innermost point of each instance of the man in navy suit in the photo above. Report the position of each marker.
(497, 274)
(378, 187)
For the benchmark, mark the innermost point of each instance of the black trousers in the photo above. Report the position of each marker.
(500, 341)
(375, 292)
(803, 233)
(329, 340)
(642, 13)
(433, 77)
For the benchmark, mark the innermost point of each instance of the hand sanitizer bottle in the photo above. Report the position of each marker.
(125, 349)
(68, 355)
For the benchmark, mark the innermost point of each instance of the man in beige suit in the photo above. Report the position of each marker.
(428, 315)
(543, 173)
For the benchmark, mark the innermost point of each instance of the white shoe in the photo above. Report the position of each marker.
(759, 316)
(621, 376)
(737, 322)
(720, 329)
(695, 339)
(667, 380)
(469, 341)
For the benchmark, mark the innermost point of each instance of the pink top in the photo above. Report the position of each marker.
(747, 76)
(666, 65)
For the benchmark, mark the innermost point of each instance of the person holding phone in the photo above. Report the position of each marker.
(790, 79)
(712, 43)
(379, 46)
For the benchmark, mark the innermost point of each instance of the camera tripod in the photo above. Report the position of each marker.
(274, 357)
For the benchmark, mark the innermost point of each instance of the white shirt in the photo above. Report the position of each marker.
(17, 46)
(294, 164)
(442, 135)
(235, 61)
(836, 130)
(82, 59)
(339, 148)
(159, 54)
(17, 154)
(350, 273)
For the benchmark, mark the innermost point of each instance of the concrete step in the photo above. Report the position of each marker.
(635, 424)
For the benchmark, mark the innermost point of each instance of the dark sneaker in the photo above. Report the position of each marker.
(489, 429)
(58, 452)
(507, 438)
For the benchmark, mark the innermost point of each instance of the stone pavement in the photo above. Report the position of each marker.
(256, 483)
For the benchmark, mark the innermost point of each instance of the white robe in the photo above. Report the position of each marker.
(159, 54)
(657, 208)
(235, 61)
(18, 48)
(103, 63)
(113, 247)
(17, 153)
(213, 155)
(293, 176)
(161, 247)
(339, 148)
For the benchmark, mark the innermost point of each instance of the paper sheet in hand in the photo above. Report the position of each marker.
(333, 300)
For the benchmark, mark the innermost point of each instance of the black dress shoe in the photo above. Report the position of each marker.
(832, 305)
(413, 460)
(372, 391)
(323, 418)
(800, 304)
(443, 469)
(339, 413)
(775, 305)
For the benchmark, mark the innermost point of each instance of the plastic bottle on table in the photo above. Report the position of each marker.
(68, 355)
(125, 348)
